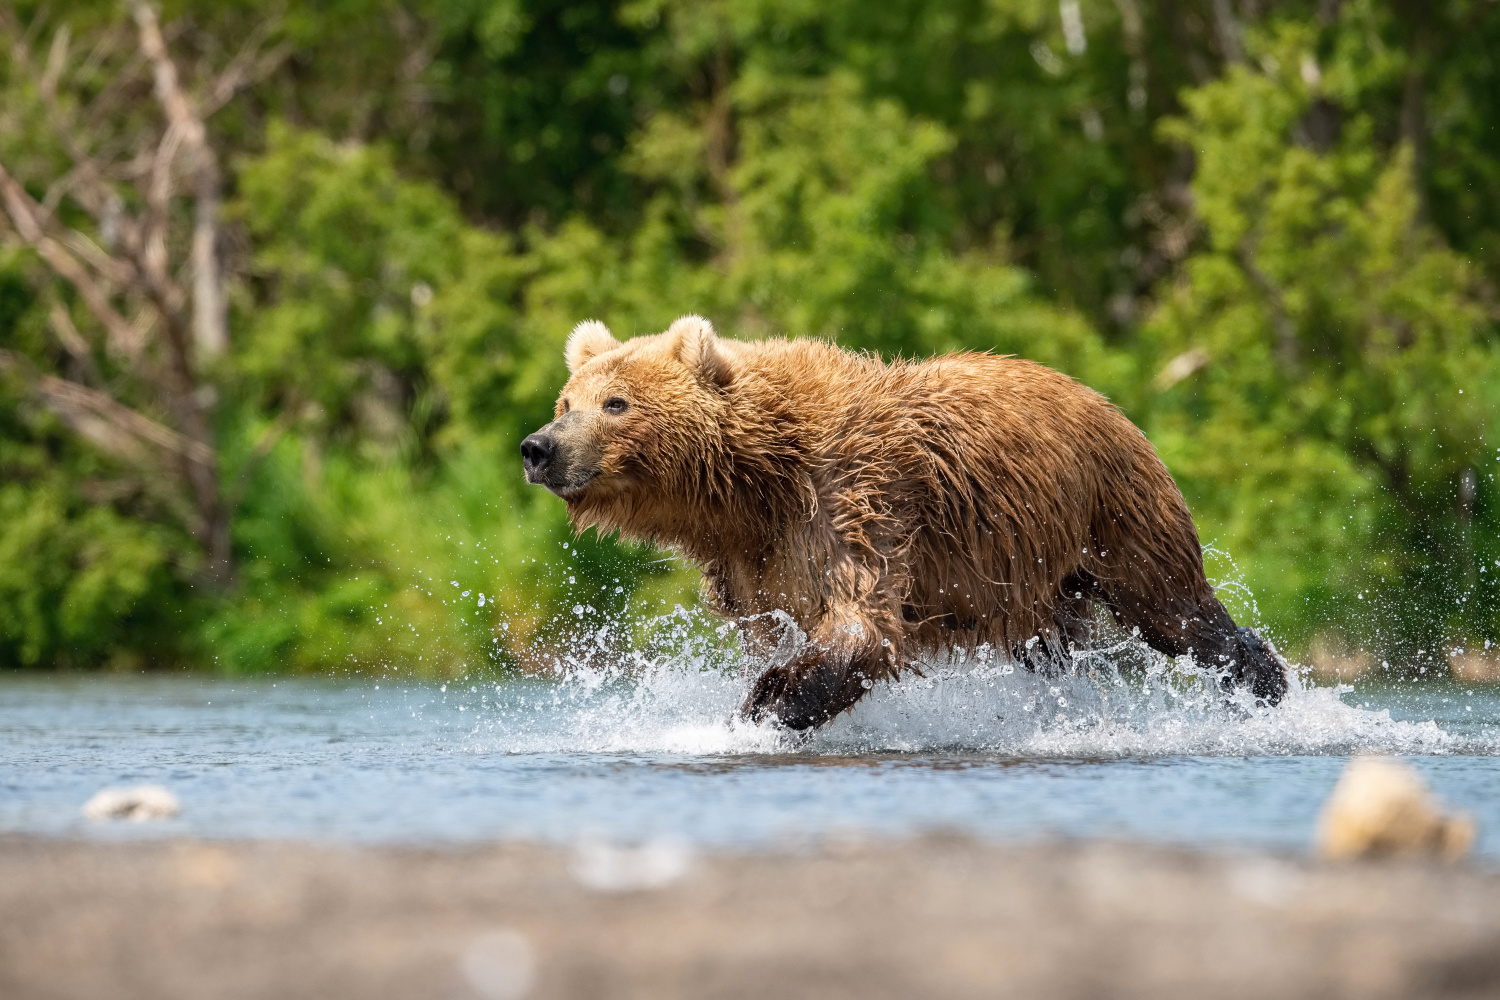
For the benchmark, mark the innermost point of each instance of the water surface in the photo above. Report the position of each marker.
(642, 753)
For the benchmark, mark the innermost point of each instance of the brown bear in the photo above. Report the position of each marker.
(890, 509)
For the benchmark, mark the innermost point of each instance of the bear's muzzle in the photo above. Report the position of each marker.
(563, 456)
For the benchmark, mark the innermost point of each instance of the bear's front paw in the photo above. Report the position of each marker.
(1257, 665)
(1263, 667)
(805, 693)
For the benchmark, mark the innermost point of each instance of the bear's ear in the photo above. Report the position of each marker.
(588, 340)
(693, 341)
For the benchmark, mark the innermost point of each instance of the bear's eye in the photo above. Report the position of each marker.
(566, 406)
(615, 405)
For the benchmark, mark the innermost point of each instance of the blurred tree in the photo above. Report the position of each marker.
(1336, 375)
(1262, 227)
(93, 174)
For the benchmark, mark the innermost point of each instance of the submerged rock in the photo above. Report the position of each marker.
(1381, 807)
(139, 804)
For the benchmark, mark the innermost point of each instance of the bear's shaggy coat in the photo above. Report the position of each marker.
(889, 508)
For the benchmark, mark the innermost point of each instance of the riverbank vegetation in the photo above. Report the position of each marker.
(281, 288)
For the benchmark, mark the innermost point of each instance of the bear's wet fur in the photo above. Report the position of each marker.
(890, 509)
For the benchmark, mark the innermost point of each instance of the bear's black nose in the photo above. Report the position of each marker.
(536, 452)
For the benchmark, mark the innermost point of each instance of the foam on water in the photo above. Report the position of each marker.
(1131, 704)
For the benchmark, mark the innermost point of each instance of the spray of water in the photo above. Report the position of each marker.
(678, 695)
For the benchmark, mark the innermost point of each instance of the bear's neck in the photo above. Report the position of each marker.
(716, 518)
(738, 519)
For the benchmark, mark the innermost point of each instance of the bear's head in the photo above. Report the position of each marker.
(637, 422)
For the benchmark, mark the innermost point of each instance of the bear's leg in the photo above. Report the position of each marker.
(1202, 626)
(1053, 650)
(1073, 615)
(842, 660)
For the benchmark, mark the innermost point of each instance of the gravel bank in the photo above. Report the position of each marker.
(933, 917)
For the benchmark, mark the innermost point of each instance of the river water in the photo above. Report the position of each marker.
(650, 752)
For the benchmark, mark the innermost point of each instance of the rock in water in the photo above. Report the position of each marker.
(139, 804)
(1381, 808)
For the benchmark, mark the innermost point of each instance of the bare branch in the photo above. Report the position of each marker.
(70, 397)
(249, 65)
(110, 268)
(73, 342)
(174, 102)
(86, 181)
(210, 327)
(210, 306)
(67, 333)
(24, 216)
(1228, 31)
(106, 102)
(159, 203)
(111, 425)
(47, 80)
(32, 30)
(145, 320)
(57, 58)
(1182, 366)
(129, 255)
(61, 188)
(110, 41)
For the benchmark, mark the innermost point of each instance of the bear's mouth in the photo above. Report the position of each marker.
(572, 491)
(566, 486)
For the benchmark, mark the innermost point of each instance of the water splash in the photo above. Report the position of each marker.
(1124, 701)
(1106, 713)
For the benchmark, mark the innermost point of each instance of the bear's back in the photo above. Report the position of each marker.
(970, 407)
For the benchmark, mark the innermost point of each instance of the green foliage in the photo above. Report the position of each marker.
(1267, 234)
(375, 525)
(75, 580)
(1337, 438)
